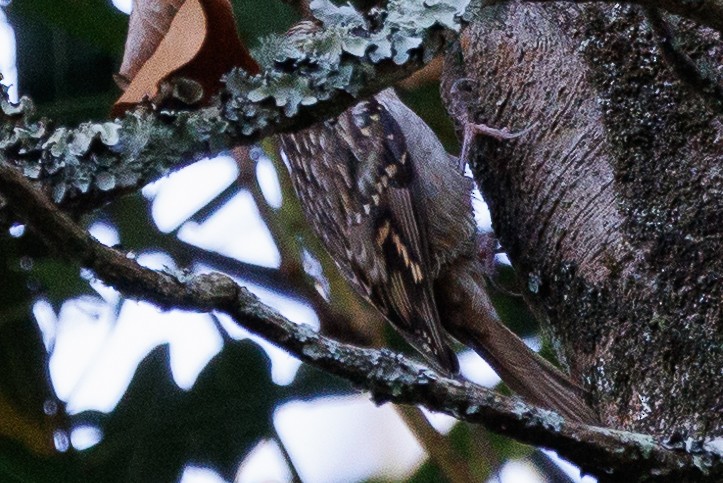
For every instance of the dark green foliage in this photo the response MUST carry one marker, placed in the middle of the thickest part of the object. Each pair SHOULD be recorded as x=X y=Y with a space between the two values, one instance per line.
x=19 y=465
x=95 y=22
x=23 y=361
x=25 y=391
x=66 y=55
x=505 y=295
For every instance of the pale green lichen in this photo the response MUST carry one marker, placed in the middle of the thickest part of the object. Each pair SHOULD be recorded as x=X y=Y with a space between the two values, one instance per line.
x=11 y=109
x=472 y=409
x=644 y=443
x=327 y=60
x=538 y=417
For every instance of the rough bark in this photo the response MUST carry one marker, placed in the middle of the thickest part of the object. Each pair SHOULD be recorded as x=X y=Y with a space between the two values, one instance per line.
x=610 y=206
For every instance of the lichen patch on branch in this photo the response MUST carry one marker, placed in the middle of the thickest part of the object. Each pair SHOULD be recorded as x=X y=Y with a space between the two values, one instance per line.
x=350 y=56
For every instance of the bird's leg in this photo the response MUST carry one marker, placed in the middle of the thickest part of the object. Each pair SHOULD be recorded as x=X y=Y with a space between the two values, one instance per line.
x=486 y=251
x=472 y=130
x=499 y=134
x=462 y=97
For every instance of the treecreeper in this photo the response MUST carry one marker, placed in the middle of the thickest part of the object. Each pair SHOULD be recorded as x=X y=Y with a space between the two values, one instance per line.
x=394 y=212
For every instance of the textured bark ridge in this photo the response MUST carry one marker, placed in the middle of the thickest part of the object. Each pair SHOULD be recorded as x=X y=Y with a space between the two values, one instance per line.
x=611 y=207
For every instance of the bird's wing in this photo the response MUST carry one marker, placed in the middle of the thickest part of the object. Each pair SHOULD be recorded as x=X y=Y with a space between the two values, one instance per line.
x=387 y=232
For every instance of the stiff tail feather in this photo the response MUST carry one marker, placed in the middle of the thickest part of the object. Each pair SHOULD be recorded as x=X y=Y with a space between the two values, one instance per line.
x=468 y=315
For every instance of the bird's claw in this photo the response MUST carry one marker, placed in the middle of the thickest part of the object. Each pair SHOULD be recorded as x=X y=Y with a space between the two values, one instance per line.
x=471 y=130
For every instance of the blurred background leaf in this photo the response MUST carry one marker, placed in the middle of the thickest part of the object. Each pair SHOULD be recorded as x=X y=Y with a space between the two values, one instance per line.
x=30 y=414
x=96 y=22
x=67 y=70
x=158 y=428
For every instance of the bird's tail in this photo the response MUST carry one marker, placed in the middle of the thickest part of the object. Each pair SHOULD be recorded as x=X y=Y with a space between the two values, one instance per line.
x=469 y=316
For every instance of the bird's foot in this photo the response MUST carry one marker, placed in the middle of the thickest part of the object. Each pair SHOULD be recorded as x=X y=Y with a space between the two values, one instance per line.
x=499 y=134
x=471 y=130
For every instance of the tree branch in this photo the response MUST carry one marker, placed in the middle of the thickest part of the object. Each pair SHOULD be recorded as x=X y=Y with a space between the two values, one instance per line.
x=304 y=82
x=388 y=376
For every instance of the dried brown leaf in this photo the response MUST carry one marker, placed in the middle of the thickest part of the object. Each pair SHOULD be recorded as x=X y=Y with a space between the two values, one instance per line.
x=149 y=22
x=200 y=44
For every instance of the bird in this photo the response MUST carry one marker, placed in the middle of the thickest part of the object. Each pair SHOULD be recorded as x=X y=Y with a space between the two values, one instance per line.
x=394 y=211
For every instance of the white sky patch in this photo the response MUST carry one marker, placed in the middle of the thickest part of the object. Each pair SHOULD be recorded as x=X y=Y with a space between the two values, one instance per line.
x=269 y=181
x=150 y=190
x=481 y=211
x=16 y=230
x=156 y=261
x=107 y=361
x=109 y=294
x=7 y=56
x=571 y=470
x=183 y=193
x=235 y=230
x=198 y=474
x=534 y=343
x=439 y=421
x=193 y=344
x=476 y=369
x=125 y=6
x=104 y=233
x=347 y=439
x=265 y=463
x=518 y=472
x=107 y=235
x=83 y=437
x=83 y=326
x=284 y=366
x=503 y=259
x=47 y=322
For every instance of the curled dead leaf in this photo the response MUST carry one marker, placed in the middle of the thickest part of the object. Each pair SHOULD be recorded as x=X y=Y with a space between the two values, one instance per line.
x=148 y=24
x=199 y=46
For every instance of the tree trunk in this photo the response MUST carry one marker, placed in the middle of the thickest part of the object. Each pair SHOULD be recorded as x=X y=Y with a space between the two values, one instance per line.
x=611 y=206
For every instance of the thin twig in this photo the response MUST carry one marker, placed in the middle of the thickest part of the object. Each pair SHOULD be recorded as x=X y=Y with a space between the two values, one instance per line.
x=438 y=447
x=295 y=476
